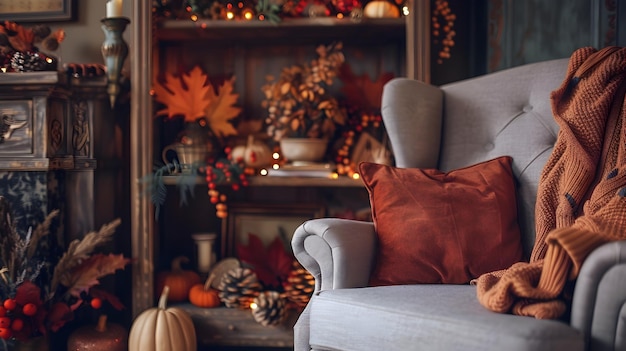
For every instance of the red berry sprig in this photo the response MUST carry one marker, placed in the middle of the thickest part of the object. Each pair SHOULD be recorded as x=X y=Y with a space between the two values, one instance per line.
x=228 y=171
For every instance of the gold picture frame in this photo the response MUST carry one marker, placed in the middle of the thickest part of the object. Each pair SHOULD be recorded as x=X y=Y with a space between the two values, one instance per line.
x=36 y=10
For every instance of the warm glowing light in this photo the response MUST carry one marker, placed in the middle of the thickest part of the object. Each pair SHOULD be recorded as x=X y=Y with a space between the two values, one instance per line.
x=276 y=155
x=247 y=14
x=49 y=60
x=334 y=175
x=356 y=176
x=405 y=10
x=3 y=69
x=263 y=172
x=275 y=166
x=340 y=15
x=240 y=5
x=194 y=17
x=261 y=18
x=230 y=15
x=253 y=305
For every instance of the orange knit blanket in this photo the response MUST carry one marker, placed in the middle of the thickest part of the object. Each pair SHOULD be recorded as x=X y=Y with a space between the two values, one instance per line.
x=581 y=201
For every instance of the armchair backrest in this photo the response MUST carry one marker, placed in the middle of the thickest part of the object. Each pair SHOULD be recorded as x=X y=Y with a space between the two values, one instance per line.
x=470 y=121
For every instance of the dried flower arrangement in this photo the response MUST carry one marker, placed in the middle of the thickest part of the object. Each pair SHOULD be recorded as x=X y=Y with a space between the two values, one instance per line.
x=33 y=305
x=18 y=52
x=299 y=103
x=192 y=97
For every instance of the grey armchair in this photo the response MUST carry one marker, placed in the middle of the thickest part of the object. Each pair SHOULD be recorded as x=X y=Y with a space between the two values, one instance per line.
x=449 y=127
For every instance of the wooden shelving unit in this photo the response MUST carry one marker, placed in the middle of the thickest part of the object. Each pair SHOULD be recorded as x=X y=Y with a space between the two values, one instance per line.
x=249 y=50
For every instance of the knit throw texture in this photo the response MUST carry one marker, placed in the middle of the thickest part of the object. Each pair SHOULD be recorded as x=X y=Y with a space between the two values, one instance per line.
x=581 y=200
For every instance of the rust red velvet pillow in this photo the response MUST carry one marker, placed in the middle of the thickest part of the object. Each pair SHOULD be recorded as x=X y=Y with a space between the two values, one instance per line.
x=436 y=227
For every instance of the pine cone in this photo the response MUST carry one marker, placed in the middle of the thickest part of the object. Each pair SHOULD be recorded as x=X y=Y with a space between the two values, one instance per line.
x=269 y=309
x=299 y=285
x=27 y=62
x=239 y=287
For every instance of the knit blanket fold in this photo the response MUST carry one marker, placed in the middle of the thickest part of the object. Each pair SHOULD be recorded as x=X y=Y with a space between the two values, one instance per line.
x=581 y=199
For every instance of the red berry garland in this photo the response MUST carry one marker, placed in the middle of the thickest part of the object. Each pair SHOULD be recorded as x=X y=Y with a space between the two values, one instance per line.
x=443 y=29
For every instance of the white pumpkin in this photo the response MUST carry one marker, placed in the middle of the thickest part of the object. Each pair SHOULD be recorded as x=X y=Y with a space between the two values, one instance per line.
x=162 y=329
x=255 y=153
x=381 y=9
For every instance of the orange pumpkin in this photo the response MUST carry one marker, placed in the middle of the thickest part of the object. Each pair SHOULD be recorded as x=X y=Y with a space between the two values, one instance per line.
x=204 y=295
x=178 y=279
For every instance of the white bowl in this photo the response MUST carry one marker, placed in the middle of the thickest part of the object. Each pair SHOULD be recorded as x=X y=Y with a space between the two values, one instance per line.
x=303 y=149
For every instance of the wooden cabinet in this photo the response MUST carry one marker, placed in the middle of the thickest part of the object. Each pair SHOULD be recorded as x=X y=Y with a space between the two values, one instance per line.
x=57 y=150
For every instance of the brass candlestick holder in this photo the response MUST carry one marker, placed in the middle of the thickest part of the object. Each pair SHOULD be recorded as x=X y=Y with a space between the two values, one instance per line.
x=114 y=52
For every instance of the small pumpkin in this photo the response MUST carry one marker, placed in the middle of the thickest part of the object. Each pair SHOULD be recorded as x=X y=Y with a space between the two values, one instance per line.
x=162 y=329
x=254 y=154
x=381 y=9
x=203 y=295
x=178 y=279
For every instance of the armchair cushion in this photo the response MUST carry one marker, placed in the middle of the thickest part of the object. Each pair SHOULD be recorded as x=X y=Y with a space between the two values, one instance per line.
x=436 y=227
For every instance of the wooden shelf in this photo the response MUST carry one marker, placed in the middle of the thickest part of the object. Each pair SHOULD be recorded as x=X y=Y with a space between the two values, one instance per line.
x=273 y=181
x=223 y=326
x=289 y=30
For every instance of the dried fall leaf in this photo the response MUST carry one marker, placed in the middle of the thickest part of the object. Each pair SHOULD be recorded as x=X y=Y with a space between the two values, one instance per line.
x=221 y=109
x=361 y=90
x=21 y=39
x=271 y=265
x=90 y=270
x=188 y=95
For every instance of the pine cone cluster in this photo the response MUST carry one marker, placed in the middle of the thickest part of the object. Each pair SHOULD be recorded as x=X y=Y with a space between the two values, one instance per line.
x=299 y=285
x=239 y=287
x=269 y=308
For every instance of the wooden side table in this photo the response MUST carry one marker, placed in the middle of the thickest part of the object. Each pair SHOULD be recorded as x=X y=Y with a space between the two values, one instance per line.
x=231 y=328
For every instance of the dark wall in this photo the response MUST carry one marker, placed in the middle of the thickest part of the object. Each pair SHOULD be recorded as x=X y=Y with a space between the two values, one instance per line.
x=492 y=35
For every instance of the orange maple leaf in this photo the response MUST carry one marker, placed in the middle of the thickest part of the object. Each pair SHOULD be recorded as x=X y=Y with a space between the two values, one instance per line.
x=188 y=95
x=221 y=109
x=90 y=270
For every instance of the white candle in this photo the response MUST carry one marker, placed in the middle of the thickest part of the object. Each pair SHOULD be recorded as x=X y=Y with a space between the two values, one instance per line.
x=114 y=8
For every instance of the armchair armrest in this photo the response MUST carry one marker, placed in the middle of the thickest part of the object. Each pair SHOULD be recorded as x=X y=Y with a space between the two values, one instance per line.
x=599 y=302
x=339 y=253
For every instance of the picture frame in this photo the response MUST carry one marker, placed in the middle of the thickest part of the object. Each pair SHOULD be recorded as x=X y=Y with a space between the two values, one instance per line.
x=265 y=221
x=37 y=10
